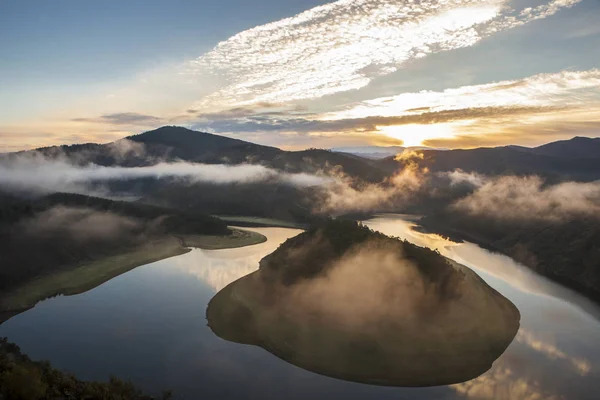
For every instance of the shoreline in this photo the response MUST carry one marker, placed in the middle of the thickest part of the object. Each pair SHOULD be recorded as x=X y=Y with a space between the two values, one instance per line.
x=460 y=236
x=77 y=279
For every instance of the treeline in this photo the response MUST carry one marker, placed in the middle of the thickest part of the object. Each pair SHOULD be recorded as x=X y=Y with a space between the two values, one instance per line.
x=14 y=208
x=24 y=379
x=566 y=251
x=314 y=252
x=60 y=231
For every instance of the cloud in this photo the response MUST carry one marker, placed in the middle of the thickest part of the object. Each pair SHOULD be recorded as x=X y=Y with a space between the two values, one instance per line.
x=365 y=126
x=458 y=177
x=530 y=109
x=581 y=365
x=528 y=198
x=127 y=118
x=344 y=45
x=34 y=172
x=562 y=89
x=346 y=195
x=562 y=125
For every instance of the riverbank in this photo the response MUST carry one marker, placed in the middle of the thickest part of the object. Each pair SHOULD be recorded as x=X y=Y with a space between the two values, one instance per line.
x=76 y=279
x=260 y=222
x=517 y=249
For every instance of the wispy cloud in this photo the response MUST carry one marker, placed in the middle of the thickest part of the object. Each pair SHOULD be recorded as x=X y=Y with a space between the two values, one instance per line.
x=538 y=108
x=127 y=118
x=343 y=45
x=565 y=88
x=534 y=109
x=366 y=125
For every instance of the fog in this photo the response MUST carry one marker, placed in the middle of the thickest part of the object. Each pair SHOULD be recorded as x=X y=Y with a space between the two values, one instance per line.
x=345 y=195
x=46 y=175
x=506 y=197
x=528 y=198
x=78 y=224
x=393 y=288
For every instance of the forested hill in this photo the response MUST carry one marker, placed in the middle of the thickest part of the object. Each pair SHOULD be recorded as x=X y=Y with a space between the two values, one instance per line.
x=566 y=251
x=172 y=143
x=62 y=231
x=577 y=159
x=314 y=252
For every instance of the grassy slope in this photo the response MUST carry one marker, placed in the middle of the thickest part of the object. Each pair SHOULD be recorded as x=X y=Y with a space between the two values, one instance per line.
x=82 y=278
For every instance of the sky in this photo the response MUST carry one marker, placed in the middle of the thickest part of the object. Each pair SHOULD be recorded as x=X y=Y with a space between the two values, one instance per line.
x=301 y=73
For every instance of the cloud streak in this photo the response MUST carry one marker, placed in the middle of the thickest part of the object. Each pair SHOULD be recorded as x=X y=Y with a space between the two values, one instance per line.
x=562 y=89
x=39 y=174
x=128 y=118
x=492 y=113
x=346 y=44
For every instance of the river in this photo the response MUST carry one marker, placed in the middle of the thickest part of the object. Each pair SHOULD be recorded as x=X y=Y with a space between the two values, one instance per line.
x=149 y=326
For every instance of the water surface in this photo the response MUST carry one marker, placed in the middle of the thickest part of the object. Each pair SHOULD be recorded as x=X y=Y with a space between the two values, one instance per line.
x=149 y=326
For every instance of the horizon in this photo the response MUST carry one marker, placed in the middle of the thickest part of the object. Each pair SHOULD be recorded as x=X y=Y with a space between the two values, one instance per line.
x=340 y=149
x=303 y=74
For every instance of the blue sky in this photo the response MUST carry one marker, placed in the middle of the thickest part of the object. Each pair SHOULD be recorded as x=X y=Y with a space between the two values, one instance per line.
x=452 y=73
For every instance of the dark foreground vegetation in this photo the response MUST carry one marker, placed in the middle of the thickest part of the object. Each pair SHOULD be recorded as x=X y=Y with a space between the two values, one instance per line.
x=24 y=379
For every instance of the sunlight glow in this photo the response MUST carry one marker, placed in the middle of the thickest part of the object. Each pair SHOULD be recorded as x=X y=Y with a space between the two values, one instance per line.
x=416 y=134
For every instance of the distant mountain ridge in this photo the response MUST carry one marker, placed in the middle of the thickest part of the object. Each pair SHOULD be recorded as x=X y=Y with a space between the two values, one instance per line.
x=583 y=147
x=379 y=152
x=575 y=159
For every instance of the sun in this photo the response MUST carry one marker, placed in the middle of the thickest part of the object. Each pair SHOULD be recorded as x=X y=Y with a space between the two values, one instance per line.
x=416 y=134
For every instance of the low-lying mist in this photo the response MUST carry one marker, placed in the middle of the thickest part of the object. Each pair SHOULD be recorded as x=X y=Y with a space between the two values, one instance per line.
x=330 y=192
x=371 y=283
x=46 y=175
x=78 y=224
x=527 y=198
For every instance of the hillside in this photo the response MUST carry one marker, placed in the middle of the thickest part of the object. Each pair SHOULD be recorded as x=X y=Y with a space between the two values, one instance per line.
x=171 y=143
x=578 y=147
x=350 y=303
x=60 y=231
x=545 y=161
x=565 y=251
x=67 y=244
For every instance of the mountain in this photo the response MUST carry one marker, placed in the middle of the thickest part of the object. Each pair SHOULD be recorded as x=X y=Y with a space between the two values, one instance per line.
x=575 y=159
x=546 y=161
x=175 y=142
x=379 y=152
x=184 y=144
x=578 y=147
x=172 y=143
x=372 y=152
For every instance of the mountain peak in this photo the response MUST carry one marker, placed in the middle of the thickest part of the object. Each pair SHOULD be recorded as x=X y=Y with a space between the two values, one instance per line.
x=579 y=146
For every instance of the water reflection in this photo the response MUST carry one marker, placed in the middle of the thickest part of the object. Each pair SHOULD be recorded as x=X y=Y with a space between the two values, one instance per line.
x=556 y=354
x=218 y=268
x=149 y=326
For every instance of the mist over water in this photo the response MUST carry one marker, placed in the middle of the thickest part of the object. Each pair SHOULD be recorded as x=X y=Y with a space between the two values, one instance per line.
x=154 y=316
